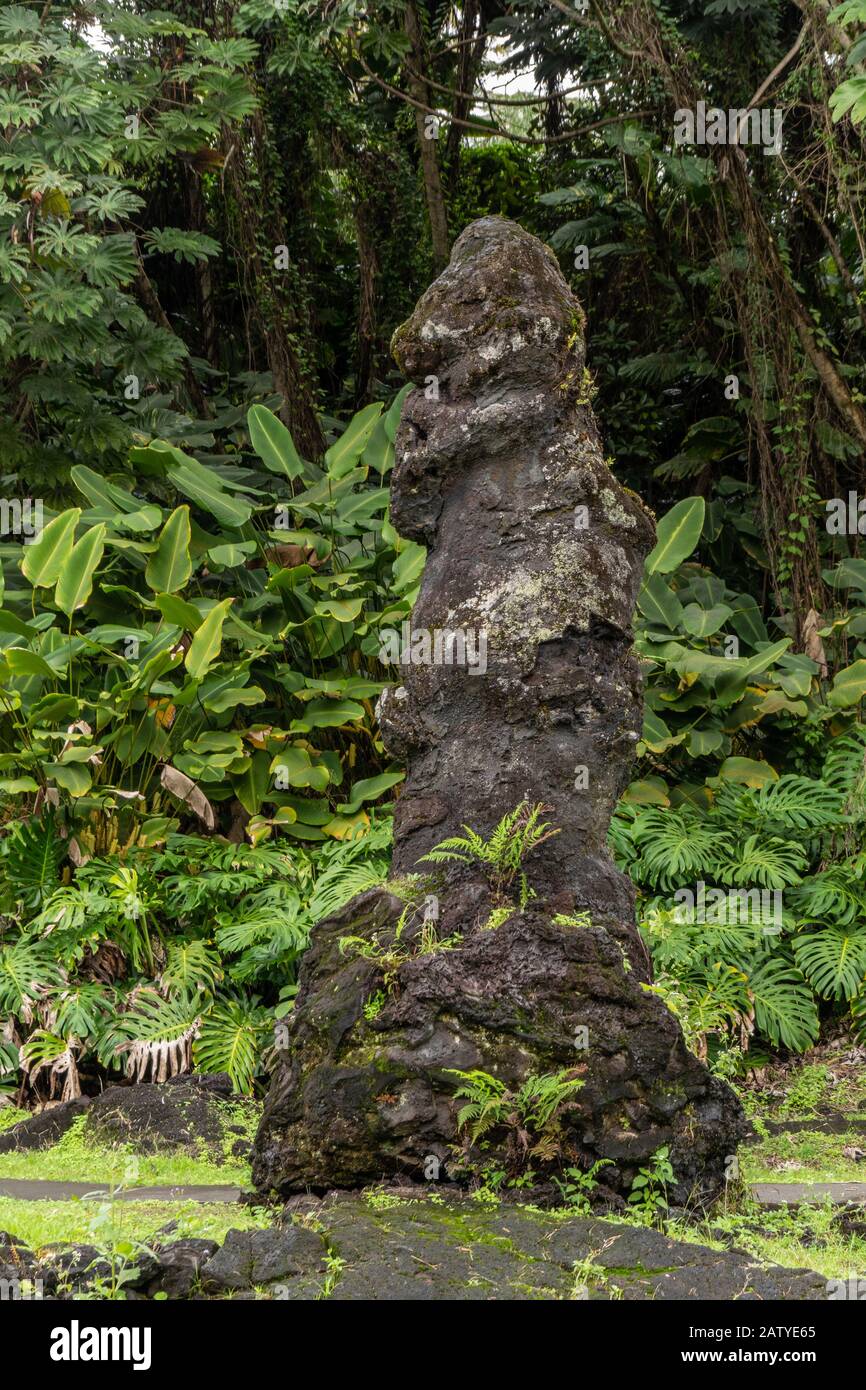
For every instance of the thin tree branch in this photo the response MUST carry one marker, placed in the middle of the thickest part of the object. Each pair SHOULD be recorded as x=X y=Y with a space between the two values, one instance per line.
x=497 y=130
x=771 y=77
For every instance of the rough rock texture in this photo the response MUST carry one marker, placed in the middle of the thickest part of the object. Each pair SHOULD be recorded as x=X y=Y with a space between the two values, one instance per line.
x=180 y=1265
x=43 y=1130
x=188 y=1113
x=456 y=1250
x=250 y=1258
x=492 y=476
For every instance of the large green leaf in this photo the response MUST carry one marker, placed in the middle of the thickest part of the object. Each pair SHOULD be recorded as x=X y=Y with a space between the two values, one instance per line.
x=76 y=579
x=748 y=771
x=678 y=533
x=170 y=566
x=658 y=602
x=293 y=767
x=205 y=646
x=251 y=787
x=23 y=662
x=704 y=622
x=73 y=777
x=849 y=686
x=101 y=493
x=177 y=611
x=344 y=454
x=763 y=660
x=227 y=694
x=9 y=622
x=45 y=559
x=328 y=714
x=409 y=566
x=273 y=443
x=834 y=960
x=369 y=790
x=785 y=1008
x=203 y=487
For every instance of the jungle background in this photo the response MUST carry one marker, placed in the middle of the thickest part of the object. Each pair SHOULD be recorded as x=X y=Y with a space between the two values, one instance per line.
x=213 y=215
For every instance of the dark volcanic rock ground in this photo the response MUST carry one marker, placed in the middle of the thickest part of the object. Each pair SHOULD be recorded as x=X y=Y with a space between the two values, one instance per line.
x=382 y=1246
x=460 y=1250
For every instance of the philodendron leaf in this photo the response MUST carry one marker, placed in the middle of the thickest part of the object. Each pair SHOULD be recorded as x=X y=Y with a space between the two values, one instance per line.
x=76 y=578
x=273 y=443
x=44 y=560
x=205 y=646
x=170 y=566
x=678 y=533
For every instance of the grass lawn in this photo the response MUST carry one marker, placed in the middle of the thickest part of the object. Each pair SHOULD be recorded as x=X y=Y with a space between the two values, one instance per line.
x=81 y=1222
x=75 y=1158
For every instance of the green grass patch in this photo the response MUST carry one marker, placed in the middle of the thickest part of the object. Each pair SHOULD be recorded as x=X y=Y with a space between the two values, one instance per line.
x=75 y=1158
x=804 y=1156
x=797 y=1238
x=807 y=1093
x=39 y=1224
x=10 y=1115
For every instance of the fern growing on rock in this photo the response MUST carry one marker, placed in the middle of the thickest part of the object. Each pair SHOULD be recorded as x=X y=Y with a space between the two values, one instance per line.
x=502 y=855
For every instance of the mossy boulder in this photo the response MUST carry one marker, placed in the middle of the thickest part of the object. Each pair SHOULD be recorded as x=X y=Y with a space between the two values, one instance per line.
x=366 y=1093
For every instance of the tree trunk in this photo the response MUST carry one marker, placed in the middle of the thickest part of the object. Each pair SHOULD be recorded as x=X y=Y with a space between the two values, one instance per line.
x=433 y=191
x=150 y=300
x=258 y=232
